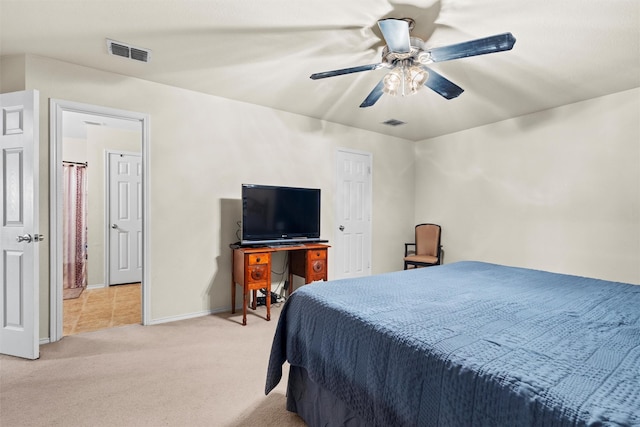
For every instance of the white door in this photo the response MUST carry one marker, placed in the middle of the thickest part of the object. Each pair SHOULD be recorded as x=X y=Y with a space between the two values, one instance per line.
x=19 y=139
x=353 y=214
x=125 y=218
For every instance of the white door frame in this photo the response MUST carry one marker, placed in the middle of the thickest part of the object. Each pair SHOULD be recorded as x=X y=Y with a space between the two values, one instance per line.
x=338 y=206
x=107 y=211
x=56 y=108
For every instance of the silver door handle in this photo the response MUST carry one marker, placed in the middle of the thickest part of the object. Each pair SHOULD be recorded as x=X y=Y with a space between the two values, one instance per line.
x=26 y=238
x=114 y=226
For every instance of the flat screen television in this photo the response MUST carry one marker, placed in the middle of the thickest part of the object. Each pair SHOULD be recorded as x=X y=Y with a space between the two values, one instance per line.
x=277 y=215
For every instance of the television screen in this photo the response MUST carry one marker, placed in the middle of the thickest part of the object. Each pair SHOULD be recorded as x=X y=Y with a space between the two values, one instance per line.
x=272 y=214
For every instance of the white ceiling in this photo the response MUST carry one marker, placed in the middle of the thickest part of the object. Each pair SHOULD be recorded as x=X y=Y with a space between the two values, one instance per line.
x=74 y=124
x=263 y=51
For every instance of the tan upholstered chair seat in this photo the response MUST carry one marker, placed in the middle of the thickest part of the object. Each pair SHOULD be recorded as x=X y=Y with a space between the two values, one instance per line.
x=422 y=258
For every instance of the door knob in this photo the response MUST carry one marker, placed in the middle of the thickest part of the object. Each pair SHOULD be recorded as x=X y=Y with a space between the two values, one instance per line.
x=341 y=228
x=114 y=226
x=26 y=238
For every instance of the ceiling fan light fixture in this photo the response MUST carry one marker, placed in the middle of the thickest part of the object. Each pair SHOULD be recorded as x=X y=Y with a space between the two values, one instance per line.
x=404 y=80
x=407 y=58
x=393 y=82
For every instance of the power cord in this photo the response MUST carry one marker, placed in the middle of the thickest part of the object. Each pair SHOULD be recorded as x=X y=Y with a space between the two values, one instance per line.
x=283 y=284
x=277 y=296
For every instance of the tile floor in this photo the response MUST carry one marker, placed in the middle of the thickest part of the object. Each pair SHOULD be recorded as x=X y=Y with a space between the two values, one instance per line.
x=102 y=308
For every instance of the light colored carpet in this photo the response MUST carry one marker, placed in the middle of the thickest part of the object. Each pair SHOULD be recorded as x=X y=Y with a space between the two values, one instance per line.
x=208 y=371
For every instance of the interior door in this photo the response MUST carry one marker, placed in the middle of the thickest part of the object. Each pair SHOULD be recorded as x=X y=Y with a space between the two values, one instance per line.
x=19 y=139
x=352 y=244
x=125 y=218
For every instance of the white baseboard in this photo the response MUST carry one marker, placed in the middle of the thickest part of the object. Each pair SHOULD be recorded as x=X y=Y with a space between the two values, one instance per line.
x=188 y=316
x=98 y=286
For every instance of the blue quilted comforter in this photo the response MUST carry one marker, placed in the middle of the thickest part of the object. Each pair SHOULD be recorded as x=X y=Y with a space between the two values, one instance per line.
x=467 y=344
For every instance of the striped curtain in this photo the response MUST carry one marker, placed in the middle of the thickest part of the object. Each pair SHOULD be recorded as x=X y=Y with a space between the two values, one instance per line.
x=74 y=226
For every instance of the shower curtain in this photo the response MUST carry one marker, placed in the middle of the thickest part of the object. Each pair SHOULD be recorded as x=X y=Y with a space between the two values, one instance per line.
x=74 y=228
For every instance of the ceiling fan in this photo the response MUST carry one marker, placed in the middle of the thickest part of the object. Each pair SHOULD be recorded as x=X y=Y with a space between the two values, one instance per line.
x=407 y=58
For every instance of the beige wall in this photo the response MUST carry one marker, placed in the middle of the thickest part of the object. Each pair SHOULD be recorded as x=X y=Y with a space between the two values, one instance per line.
x=202 y=149
x=557 y=190
x=12 y=73
x=74 y=150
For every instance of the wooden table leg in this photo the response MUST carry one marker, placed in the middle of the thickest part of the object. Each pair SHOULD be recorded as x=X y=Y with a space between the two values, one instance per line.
x=290 y=287
x=245 y=297
x=268 y=300
x=233 y=282
x=233 y=297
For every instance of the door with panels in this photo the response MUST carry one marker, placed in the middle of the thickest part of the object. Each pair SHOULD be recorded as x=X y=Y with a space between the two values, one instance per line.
x=353 y=214
x=125 y=218
x=19 y=237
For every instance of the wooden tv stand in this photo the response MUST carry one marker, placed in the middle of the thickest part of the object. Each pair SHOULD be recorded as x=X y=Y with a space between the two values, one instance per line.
x=252 y=270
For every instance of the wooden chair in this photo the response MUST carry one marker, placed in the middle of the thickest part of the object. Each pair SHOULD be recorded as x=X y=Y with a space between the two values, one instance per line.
x=427 y=250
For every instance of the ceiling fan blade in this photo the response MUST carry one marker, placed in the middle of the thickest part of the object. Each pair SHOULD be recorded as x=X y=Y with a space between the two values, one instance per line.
x=374 y=95
x=342 y=71
x=396 y=34
x=491 y=44
x=441 y=85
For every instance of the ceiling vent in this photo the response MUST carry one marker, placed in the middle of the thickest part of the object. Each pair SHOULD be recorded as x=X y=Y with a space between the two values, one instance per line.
x=128 y=51
x=394 y=122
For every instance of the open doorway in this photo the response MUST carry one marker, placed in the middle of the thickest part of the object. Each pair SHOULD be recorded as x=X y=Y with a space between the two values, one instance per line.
x=84 y=141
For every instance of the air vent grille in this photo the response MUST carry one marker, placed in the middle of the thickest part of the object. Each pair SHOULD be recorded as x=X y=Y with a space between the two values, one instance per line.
x=119 y=50
x=128 y=51
x=393 y=122
x=139 y=54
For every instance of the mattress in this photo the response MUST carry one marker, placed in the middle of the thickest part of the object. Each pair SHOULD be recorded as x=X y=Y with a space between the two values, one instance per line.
x=468 y=343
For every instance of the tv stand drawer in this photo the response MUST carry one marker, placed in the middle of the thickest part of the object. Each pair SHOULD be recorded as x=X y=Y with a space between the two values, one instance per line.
x=317 y=254
x=262 y=258
x=257 y=273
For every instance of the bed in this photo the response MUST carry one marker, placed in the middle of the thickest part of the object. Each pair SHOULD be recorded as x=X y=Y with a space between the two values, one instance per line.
x=461 y=344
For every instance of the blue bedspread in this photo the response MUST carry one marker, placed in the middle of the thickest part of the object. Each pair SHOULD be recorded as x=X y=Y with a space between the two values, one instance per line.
x=469 y=343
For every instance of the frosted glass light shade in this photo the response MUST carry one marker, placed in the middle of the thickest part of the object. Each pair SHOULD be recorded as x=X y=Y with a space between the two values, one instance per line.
x=404 y=80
